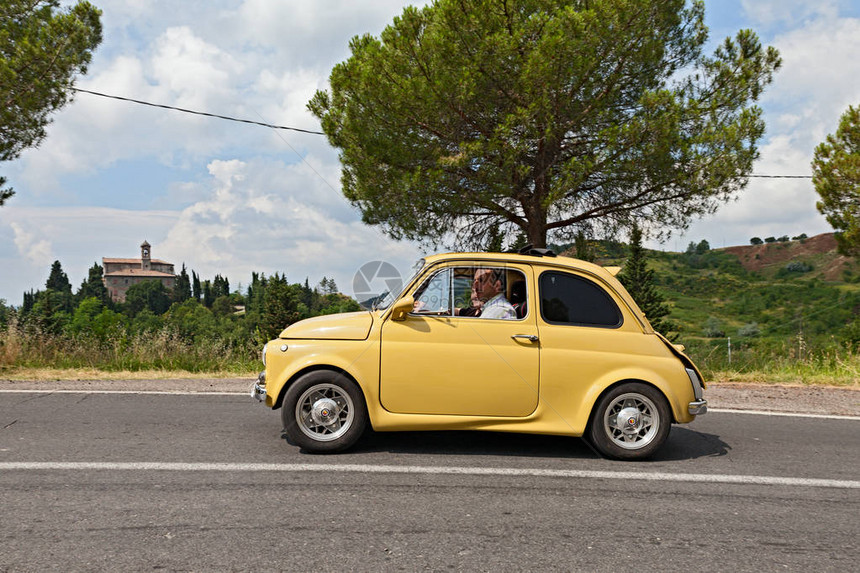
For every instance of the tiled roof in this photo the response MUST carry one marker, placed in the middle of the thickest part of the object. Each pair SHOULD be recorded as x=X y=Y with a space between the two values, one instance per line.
x=134 y=261
x=139 y=273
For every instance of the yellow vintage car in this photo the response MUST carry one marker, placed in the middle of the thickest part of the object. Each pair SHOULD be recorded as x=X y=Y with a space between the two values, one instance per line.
x=531 y=343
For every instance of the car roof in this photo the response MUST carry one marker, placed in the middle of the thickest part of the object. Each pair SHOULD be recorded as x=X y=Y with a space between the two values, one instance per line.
x=550 y=261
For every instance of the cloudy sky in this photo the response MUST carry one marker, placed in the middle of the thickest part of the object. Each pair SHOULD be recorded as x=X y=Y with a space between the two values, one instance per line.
x=230 y=198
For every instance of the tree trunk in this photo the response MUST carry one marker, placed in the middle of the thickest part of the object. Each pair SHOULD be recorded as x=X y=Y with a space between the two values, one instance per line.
x=536 y=231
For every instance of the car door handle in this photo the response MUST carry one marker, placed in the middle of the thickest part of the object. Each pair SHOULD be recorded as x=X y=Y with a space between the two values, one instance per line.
x=529 y=337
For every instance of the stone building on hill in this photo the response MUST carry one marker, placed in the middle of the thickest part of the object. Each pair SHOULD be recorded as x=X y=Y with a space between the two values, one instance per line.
x=119 y=274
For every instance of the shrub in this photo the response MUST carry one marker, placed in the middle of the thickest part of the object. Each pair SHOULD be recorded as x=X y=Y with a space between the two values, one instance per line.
x=850 y=335
x=794 y=267
x=714 y=328
x=756 y=241
x=750 y=330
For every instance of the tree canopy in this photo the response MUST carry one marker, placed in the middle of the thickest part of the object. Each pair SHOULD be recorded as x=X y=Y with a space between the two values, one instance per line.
x=42 y=49
x=836 y=176
x=544 y=116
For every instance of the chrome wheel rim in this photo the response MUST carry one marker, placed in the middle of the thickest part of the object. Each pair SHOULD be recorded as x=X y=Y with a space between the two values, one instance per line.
x=324 y=412
x=631 y=421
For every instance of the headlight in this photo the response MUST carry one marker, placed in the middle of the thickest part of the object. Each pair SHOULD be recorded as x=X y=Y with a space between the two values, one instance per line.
x=264 y=353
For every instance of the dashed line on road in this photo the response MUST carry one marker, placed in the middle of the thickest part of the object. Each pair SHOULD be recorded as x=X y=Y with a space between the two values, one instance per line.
x=431 y=470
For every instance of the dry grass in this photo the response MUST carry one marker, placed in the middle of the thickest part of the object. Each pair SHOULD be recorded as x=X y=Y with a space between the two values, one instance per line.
x=791 y=378
x=50 y=374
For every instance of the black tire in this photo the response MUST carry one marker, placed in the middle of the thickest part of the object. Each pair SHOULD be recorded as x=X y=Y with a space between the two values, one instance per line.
x=324 y=412
x=630 y=422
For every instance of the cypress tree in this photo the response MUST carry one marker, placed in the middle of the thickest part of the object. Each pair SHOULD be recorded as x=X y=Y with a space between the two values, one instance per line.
x=182 y=289
x=638 y=279
x=584 y=252
x=197 y=292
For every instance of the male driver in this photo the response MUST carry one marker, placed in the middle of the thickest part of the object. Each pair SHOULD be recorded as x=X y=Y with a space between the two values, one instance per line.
x=489 y=288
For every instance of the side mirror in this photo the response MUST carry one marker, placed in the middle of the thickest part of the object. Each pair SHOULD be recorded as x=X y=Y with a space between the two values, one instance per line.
x=402 y=307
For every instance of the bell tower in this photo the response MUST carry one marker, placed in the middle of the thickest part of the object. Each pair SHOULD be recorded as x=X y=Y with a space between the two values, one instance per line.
x=145 y=259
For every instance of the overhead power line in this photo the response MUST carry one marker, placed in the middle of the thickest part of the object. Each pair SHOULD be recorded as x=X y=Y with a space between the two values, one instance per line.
x=272 y=126
x=782 y=176
x=183 y=110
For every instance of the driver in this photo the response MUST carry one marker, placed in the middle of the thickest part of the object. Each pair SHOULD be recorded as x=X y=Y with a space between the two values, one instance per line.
x=490 y=290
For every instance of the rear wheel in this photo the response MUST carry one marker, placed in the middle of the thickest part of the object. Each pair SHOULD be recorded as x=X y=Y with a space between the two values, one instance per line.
x=630 y=422
x=324 y=412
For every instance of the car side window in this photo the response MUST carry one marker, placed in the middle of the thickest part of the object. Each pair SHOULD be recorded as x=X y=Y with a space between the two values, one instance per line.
x=434 y=295
x=490 y=292
x=473 y=291
x=569 y=299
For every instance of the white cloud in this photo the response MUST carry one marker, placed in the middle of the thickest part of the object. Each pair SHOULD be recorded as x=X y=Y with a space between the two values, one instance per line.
x=818 y=80
x=197 y=74
x=34 y=250
x=313 y=34
x=267 y=217
x=816 y=84
x=788 y=12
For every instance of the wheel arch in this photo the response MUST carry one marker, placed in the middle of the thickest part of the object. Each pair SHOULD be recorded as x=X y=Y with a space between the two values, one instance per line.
x=608 y=389
x=314 y=368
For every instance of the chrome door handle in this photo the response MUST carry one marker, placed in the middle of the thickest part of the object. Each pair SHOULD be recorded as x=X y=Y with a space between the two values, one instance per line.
x=529 y=337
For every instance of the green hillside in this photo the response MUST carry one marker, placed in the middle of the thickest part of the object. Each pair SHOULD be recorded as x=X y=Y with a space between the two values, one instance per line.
x=788 y=305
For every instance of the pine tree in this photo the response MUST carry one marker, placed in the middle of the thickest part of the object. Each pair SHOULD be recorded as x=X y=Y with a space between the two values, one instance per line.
x=520 y=242
x=638 y=279
x=495 y=239
x=43 y=48
x=93 y=286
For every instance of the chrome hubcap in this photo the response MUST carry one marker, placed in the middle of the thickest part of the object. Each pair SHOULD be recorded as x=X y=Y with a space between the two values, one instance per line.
x=324 y=412
x=631 y=421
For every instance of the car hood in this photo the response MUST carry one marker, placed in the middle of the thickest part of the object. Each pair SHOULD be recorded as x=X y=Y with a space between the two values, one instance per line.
x=345 y=326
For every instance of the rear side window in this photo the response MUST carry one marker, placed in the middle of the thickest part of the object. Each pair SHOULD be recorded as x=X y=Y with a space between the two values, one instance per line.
x=569 y=299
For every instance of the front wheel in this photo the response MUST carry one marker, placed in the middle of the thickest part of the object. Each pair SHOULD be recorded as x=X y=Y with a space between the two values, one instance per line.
x=630 y=422
x=324 y=412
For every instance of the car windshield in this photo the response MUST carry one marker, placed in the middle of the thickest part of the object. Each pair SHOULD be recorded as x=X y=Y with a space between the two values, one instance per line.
x=386 y=299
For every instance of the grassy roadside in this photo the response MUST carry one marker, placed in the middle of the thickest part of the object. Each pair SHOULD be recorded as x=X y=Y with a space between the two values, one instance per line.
x=784 y=378
x=850 y=378
x=81 y=374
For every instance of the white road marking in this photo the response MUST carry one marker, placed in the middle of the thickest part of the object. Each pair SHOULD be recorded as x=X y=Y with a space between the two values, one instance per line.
x=247 y=393
x=145 y=392
x=789 y=414
x=431 y=470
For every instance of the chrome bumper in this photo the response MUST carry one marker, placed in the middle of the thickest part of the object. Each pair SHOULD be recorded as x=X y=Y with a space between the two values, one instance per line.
x=699 y=405
x=695 y=408
x=258 y=389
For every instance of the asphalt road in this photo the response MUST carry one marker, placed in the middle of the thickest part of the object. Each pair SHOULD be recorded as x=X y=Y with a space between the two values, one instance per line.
x=136 y=482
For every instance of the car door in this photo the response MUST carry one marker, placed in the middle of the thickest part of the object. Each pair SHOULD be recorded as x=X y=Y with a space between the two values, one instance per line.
x=585 y=333
x=438 y=361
